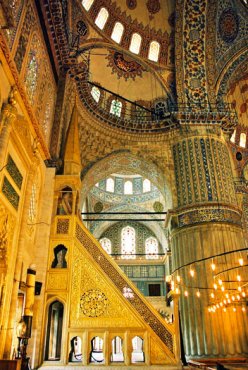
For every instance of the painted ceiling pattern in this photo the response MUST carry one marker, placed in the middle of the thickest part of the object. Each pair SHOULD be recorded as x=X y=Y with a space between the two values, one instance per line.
x=231 y=32
x=123 y=66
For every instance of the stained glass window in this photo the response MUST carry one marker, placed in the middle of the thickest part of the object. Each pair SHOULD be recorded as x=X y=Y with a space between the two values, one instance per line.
x=95 y=92
x=242 y=141
x=146 y=186
x=233 y=136
x=110 y=185
x=115 y=108
x=87 y=4
x=49 y=111
x=151 y=246
x=101 y=18
x=154 y=51
x=106 y=244
x=117 y=32
x=140 y=113
x=135 y=43
x=128 y=242
x=31 y=77
x=128 y=187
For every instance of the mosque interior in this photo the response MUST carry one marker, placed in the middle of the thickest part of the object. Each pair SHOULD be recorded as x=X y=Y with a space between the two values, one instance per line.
x=123 y=184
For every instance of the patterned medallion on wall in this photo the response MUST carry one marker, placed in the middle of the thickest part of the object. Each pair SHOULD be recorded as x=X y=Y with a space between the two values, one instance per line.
x=153 y=6
x=124 y=66
x=93 y=303
x=229 y=25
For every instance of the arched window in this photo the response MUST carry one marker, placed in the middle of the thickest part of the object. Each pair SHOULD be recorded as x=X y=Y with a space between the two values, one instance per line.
x=87 y=4
x=106 y=244
x=117 y=32
x=95 y=92
x=128 y=187
x=75 y=354
x=54 y=331
x=117 y=352
x=31 y=77
x=146 y=186
x=128 y=242
x=154 y=51
x=233 y=137
x=101 y=18
x=135 y=43
x=137 y=353
x=160 y=110
x=49 y=112
x=151 y=246
x=115 y=108
x=96 y=354
x=110 y=185
x=242 y=141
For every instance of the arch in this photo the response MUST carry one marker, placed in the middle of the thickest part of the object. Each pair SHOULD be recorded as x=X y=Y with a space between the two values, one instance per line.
x=117 y=32
x=242 y=140
x=146 y=186
x=128 y=243
x=95 y=93
x=155 y=227
x=151 y=248
x=233 y=137
x=96 y=354
x=117 y=352
x=87 y=4
x=128 y=187
x=154 y=49
x=54 y=331
x=31 y=75
x=110 y=185
x=65 y=201
x=106 y=244
x=59 y=257
x=144 y=63
x=137 y=353
x=102 y=18
x=75 y=354
x=226 y=74
x=135 y=43
x=116 y=162
x=116 y=107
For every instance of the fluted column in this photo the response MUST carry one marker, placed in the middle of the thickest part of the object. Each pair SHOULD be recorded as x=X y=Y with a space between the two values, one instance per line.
x=206 y=229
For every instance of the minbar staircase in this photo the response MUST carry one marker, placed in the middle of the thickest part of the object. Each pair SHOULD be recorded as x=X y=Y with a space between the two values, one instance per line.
x=89 y=266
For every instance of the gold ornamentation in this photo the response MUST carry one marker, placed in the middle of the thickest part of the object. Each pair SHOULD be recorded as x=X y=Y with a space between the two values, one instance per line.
x=93 y=303
x=63 y=226
x=151 y=319
x=57 y=281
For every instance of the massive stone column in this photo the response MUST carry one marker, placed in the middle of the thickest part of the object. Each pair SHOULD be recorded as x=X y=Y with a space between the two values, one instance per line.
x=206 y=236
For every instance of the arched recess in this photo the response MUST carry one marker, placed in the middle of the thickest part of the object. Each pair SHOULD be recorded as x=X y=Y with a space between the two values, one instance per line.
x=116 y=163
x=155 y=227
x=67 y=199
x=88 y=47
x=224 y=78
x=54 y=330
